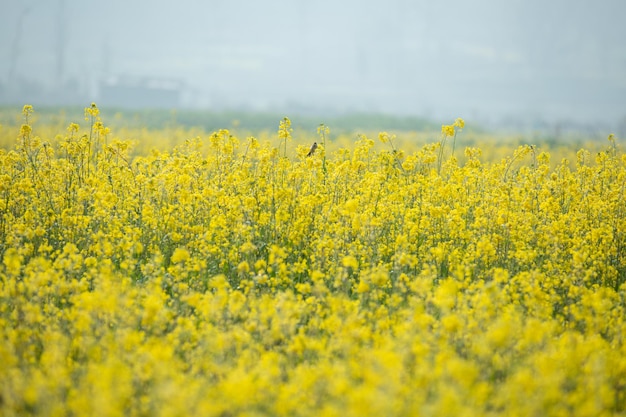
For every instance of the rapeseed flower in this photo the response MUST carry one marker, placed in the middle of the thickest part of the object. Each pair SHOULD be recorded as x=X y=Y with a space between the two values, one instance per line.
x=447 y=130
x=224 y=279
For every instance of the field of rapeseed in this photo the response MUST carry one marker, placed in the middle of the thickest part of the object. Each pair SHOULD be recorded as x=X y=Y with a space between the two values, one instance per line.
x=230 y=276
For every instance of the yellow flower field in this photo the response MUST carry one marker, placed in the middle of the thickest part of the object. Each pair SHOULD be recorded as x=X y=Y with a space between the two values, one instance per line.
x=238 y=277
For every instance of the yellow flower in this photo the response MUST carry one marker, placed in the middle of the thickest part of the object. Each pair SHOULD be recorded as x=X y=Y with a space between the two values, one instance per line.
x=379 y=276
x=73 y=127
x=12 y=261
x=447 y=130
x=451 y=323
x=284 y=128
x=350 y=261
x=180 y=255
x=243 y=267
x=363 y=287
x=25 y=130
x=91 y=111
x=351 y=206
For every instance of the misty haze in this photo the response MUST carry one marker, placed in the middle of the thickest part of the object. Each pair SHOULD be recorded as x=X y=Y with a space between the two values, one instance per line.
x=486 y=60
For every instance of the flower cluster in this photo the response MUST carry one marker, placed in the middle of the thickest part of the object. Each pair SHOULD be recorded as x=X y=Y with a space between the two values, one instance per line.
x=224 y=277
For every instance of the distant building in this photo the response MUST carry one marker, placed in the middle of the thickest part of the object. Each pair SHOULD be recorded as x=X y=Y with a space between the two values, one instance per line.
x=140 y=92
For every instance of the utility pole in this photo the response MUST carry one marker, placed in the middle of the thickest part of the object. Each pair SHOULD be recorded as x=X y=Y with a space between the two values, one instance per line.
x=61 y=45
x=15 y=47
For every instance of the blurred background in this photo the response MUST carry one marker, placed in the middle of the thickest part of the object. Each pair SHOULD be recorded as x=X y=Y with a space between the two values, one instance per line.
x=515 y=63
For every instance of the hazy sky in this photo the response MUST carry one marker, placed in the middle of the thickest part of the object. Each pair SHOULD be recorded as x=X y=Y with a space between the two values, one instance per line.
x=487 y=59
